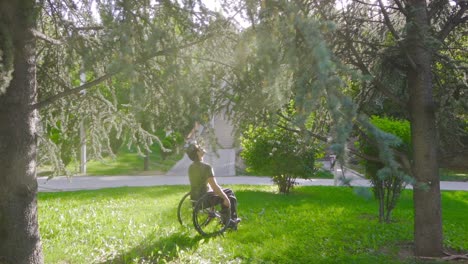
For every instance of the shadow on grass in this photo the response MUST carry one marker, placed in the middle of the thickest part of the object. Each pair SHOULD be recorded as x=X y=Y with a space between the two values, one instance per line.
x=157 y=250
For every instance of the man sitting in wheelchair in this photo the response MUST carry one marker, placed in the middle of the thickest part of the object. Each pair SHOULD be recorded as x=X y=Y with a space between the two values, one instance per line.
x=202 y=181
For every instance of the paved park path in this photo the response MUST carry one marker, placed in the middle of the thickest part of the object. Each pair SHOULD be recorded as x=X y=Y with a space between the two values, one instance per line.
x=99 y=182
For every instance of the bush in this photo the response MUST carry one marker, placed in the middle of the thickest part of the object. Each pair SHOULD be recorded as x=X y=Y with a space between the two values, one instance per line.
x=279 y=153
x=173 y=141
x=387 y=183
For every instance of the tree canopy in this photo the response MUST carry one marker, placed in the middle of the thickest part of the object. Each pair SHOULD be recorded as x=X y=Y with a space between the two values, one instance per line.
x=148 y=66
x=131 y=69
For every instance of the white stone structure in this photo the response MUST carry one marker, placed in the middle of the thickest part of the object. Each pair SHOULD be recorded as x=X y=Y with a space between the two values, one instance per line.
x=223 y=159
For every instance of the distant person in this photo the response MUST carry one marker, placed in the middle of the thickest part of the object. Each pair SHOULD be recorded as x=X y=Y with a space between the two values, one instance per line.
x=332 y=162
x=202 y=181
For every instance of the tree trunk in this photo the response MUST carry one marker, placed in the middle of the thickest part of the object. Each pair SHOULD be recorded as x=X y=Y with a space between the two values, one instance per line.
x=380 y=192
x=146 y=166
x=427 y=205
x=19 y=232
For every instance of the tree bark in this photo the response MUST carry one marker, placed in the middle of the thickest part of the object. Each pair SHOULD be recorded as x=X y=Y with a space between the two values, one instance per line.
x=19 y=231
x=427 y=202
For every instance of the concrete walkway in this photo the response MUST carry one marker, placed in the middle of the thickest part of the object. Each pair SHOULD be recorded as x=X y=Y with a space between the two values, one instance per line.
x=99 y=182
x=178 y=176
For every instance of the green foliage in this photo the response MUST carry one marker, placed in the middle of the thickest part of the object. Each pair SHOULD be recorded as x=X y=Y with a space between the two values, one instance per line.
x=313 y=225
x=140 y=68
x=172 y=140
x=397 y=127
x=279 y=153
x=172 y=143
x=285 y=55
x=372 y=49
x=387 y=178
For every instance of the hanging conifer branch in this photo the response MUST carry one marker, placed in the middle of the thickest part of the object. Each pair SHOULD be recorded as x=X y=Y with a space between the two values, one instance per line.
x=65 y=93
x=46 y=38
x=105 y=77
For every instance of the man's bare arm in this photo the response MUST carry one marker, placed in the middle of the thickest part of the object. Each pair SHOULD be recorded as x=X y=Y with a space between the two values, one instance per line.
x=217 y=190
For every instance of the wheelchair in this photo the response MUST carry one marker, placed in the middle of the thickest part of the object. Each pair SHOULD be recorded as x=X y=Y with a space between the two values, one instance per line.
x=208 y=219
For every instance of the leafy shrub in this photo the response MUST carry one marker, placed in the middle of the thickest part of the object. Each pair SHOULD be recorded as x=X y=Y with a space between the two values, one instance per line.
x=172 y=141
x=279 y=153
x=387 y=182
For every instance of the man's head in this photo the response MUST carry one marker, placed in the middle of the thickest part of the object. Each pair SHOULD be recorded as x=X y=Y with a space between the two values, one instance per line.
x=195 y=151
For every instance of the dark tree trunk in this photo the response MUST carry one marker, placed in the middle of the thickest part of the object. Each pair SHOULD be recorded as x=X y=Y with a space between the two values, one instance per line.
x=380 y=194
x=427 y=206
x=19 y=232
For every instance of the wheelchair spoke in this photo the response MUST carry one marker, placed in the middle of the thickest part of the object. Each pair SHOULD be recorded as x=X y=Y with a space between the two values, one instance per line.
x=209 y=221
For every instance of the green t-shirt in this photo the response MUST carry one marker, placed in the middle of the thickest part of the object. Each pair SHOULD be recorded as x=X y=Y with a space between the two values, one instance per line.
x=199 y=173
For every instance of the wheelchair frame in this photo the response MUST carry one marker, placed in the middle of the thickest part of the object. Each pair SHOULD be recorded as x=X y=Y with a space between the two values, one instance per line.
x=208 y=219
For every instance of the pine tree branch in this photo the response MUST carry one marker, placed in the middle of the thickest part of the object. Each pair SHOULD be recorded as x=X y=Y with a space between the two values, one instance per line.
x=36 y=33
x=388 y=22
x=435 y=6
x=88 y=28
x=75 y=90
x=106 y=76
x=390 y=27
x=401 y=8
x=377 y=84
x=283 y=116
x=446 y=60
x=404 y=160
x=319 y=137
x=361 y=66
x=299 y=131
x=46 y=38
x=363 y=155
x=369 y=4
x=206 y=59
x=453 y=21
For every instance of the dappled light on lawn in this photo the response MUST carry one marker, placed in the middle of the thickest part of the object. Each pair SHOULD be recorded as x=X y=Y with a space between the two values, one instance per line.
x=310 y=225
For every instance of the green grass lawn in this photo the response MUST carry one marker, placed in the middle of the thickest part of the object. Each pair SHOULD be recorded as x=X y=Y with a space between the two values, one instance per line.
x=311 y=225
x=130 y=163
x=126 y=162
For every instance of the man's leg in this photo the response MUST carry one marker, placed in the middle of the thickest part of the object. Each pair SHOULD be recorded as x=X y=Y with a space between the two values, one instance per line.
x=215 y=200
x=233 y=200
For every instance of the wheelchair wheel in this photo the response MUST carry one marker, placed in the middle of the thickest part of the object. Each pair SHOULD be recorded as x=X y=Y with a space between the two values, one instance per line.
x=210 y=220
x=185 y=210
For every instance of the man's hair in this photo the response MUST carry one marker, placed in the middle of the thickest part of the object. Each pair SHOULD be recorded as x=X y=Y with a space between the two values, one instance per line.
x=192 y=151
